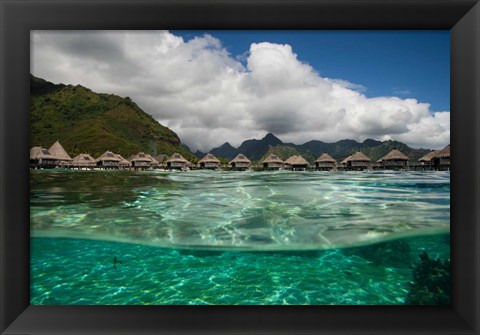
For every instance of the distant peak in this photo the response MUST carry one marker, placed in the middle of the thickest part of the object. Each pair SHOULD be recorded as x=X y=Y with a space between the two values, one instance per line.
x=226 y=144
x=270 y=138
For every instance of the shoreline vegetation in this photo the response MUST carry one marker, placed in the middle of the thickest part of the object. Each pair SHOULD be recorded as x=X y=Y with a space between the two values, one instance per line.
x=57 y=157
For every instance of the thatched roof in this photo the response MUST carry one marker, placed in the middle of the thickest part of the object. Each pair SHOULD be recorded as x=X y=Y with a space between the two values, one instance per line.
x=296 y=160
x=428 y=157
x=209 y=158
x=357 y=157
x=325 y=158
x=40 y=153
x=394 y=155
x=123 y=161
x=59 y=152
x=345 y=160
x=444 y=153
x=108 y=156
x=177 y=158
x=272 y=158
x=83 y=160
x=140 y=157
x=240 y=158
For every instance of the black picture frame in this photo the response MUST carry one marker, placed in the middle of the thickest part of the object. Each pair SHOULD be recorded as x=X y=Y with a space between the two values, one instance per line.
x=461 y=17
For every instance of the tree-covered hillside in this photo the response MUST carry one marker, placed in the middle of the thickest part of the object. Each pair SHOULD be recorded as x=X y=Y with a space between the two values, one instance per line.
x=88 y=122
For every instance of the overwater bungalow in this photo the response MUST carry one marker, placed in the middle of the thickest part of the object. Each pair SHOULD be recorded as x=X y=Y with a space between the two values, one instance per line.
x=325 y=162
x=83 y=161
x=343 y=163
x=357 y=161
x=141 y=161
x=59 y=152
x=124 y=163
x=108 y=160
x=395 y=159
x=296 y=163
x=426 y=161
x=41 y=158
x=209 y=162
x=240 y=162
x=177 y=162
x=441 y=160
x=272 y=162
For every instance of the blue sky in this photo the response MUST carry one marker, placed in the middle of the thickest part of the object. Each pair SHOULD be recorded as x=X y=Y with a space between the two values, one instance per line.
x=403 y=63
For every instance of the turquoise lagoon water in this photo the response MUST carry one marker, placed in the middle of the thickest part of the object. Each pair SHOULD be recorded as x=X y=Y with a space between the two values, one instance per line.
x=209 y=237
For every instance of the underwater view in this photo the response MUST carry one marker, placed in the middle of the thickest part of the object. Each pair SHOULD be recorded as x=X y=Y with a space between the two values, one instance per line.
x=234 y=238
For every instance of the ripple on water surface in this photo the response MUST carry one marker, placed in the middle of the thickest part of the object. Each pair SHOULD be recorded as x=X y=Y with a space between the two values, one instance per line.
x=239 y=210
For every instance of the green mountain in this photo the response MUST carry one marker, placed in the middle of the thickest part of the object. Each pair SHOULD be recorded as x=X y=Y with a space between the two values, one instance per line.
x=88 y=122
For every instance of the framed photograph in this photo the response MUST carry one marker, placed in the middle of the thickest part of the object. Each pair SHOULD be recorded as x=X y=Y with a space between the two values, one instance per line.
x=187 y=218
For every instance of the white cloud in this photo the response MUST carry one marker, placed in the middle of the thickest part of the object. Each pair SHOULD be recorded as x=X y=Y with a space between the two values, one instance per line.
x=209 y=97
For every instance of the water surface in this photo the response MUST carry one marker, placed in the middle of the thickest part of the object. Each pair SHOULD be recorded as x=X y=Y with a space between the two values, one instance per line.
x=208 y=237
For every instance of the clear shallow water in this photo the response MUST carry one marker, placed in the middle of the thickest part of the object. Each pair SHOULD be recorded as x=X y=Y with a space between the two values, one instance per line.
x=81 y=272
x=233 y=238
x=239 y=210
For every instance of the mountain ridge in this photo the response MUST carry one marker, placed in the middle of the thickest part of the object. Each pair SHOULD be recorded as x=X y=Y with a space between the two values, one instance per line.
x=257 y=150
x=88 y=122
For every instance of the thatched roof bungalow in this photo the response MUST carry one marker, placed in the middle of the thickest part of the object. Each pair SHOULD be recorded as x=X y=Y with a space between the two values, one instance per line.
x=325 y=162
x=441 y=159
x=296 y=163
x=209 y=162
x=426 y=161
x=59 y=152
x=428 y=157
x=142 y=161
x=41 y=157
x=177 y=161
x=108 y=160
x=357 y=161
x=394 y=159
x=83 y=161
x=240 y=162
x=272 y=162
x=345 y=160
x=444 y=153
